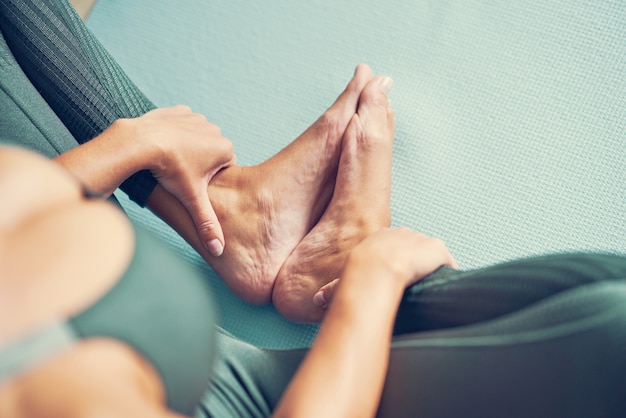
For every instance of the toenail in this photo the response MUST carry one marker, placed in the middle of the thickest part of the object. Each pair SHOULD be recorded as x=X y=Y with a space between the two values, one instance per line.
x=386 y=84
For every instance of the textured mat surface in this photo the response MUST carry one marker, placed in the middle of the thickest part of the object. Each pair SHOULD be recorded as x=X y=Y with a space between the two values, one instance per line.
x=510 y=116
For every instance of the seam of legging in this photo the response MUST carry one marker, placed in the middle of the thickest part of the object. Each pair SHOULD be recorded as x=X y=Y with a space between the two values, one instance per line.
x=421 y=285
x=36 y=123
x=517 y=338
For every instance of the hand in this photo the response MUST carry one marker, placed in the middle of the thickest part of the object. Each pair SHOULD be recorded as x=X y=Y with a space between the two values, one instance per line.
x=399 y=254
x=190 y=151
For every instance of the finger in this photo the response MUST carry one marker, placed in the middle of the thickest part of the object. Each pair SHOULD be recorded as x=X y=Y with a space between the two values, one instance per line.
x=446 y=254
x=323 y=297
x=181 y=108
x=434 y=254
x=207 y=224
x=452 y=262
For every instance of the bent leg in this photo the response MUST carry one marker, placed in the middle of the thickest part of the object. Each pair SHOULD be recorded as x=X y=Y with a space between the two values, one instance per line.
x=542 y=337
x=450 y=298
x=73 y=72
x=562 y=357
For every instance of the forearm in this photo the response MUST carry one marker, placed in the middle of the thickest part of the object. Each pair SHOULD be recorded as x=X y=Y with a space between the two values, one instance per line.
x=103 y=163
x=344 y=372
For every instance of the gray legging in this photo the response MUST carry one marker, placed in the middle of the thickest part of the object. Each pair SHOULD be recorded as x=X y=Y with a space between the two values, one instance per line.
x=544 y=337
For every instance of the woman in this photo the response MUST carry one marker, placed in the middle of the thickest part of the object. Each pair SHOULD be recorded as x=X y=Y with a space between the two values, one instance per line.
x=135 y=340
x=61 y=209
x=511 y=365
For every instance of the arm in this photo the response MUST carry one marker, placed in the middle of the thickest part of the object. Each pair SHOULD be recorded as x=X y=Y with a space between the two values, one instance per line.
x=181 y=149
x=344 y=372
x=47 y=219
x=103 y=163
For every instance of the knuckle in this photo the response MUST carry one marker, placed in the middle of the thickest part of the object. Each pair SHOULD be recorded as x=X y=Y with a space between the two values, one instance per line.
x=405 y=232
x=215 y=129
x=200 y=117
x=420 y=236
x=438 y=243
x=206 y=225
x=228 y=147
x=183 y=107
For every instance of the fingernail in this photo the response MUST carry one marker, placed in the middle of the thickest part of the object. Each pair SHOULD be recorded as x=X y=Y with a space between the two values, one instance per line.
x=386 y=85
x=215 y=247
x=319 y=299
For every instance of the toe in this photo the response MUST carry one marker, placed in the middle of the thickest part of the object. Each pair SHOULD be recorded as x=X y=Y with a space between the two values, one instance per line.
x=374 y=112
x=332 y=124
x=376 y=92
x=349 y=98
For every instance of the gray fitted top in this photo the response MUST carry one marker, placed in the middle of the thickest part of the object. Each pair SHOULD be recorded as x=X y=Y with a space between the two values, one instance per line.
x=161 y=307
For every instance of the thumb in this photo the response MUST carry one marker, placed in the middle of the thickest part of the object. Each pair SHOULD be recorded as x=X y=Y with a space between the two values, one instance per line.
x=323 y=297
x=207 y=224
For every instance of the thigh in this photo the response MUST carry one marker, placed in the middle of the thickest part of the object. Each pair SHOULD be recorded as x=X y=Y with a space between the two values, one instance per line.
x=561 y=337
x=73 y=72
x=451 y=298
x=563 y=354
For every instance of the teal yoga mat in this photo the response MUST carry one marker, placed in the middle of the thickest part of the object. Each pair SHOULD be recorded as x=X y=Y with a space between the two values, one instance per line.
x=510 y=116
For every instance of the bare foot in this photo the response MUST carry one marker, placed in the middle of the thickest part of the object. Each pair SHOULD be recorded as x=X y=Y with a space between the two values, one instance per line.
x=266 y=210
x=359 y=207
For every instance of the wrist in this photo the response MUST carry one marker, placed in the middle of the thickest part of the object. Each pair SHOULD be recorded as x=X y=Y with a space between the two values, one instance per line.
x=373 y=289
x=141 y=152
x=104 y=162
x=380 y=278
